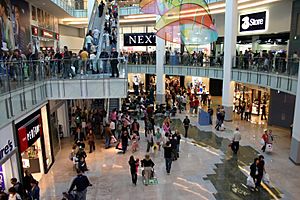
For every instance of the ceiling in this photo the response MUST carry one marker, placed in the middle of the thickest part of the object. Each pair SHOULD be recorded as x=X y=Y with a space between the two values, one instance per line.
x=50 y=7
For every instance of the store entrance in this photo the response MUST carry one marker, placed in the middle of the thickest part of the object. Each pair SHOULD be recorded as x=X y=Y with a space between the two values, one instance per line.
x=32 y=160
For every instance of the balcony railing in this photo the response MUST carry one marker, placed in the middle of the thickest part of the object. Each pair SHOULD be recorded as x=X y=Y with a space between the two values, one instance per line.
x=276 y=65
x=135 y=10
x=19 y=74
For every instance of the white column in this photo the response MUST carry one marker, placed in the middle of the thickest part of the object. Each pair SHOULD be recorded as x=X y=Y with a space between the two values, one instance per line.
x=295 y=144
x=90 y=5
x=160 y=76
x=231 y=15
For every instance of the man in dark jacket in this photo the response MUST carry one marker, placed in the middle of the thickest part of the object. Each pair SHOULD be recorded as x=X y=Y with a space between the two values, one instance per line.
x=186 y=123
x=174 y=144
x=168 y=156
x=114 y=63
x=260 y=169
x=100 y=8
x=81 y=182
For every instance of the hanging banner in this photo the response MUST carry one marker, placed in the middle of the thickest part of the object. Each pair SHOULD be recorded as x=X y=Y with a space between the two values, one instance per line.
x=2 y=184
x=139 y=39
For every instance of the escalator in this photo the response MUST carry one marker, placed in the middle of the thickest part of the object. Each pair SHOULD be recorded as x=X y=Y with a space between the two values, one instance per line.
x=97 y=22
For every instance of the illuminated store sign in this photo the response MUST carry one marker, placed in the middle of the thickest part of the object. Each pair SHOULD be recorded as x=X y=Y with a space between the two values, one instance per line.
x=47 y=34
x=30 y=132
x=139 y=39
x=35 y=30
x=253 y=22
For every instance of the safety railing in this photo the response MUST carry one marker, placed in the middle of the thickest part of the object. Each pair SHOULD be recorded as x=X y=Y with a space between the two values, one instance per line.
x=268 y=64
x=18 y=74
x=173 y=60
x=132 y=10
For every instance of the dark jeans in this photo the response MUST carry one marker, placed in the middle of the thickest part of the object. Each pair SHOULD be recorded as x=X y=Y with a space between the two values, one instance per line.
x=114 y=70
x=148 y=146
x=235 y=147
x=92 y=146
x=168 y=164
x=186 y=131
x=124 y=147
x=134 y=177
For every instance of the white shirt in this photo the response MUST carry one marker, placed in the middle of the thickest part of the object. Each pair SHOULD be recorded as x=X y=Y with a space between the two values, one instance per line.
x=237 y=136
x=112 y=125
x=88 y=39
x=96 y=33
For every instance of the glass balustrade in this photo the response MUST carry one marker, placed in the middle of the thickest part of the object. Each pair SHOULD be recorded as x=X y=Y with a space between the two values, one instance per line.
x=19 y=74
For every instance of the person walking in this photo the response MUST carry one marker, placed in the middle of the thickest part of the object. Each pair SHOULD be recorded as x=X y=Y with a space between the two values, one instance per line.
x=107 y=134
x=235 y=145
x=101 y=8
x=13 y=195
x=265 y=138
x=174 y=145
x=133 y=169
x=150 y=141
x=260 y=169
x=91 y=140
x=186 y=123
x=168 y=156
x=253 y=170
x=124 y=138
x=35 y=190
x=81 y=182
x=114 y=63
x=178 y=138
x=18 y=186
x=148 y=165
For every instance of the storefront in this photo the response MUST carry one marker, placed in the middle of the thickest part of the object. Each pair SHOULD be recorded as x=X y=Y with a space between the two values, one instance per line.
x=201 y=83
x=258 y=97
x=44 y=29
x=8 y=157
x=136 y=81
x=34 y=143
x=59 y=123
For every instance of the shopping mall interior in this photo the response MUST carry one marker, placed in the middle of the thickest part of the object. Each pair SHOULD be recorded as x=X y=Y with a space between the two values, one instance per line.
x=149 y=99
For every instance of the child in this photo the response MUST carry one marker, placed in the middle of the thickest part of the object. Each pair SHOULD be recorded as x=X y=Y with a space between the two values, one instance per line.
x=135 y=144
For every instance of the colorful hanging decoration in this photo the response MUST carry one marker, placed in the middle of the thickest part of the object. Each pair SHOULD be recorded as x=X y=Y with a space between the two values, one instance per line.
x=186 y=22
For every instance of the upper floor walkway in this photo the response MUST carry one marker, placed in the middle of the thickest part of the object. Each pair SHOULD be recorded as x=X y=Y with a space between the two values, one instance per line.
x=25 y=85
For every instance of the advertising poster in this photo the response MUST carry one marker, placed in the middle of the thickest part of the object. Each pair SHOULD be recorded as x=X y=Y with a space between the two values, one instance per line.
x=21 y=24
x=6 y=26
x=2 y=184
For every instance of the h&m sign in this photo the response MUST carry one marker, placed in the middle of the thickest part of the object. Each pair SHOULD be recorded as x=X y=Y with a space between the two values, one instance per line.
x=139 y=39
x=253 y=22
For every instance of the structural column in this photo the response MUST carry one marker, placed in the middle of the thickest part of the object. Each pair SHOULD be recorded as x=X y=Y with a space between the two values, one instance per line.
x=295 y=145
x=160 y=77
x=230 y=35
x=90 y=6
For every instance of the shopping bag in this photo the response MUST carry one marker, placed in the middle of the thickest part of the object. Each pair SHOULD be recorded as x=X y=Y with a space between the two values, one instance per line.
x=119 y=146
x=262 y=142
x=113 y=139
x=250 y=182
x=269 y=148
x=266 y=178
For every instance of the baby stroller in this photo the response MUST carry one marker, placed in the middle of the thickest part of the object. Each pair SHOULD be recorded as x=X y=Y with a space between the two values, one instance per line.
x=152 y=180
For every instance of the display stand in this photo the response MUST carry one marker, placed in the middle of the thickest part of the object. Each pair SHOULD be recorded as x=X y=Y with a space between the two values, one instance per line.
x=203 y=118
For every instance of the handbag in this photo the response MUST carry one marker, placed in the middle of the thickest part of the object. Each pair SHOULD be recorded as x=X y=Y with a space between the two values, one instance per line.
x=266 y=178
x=262 y=141
x=250 y=182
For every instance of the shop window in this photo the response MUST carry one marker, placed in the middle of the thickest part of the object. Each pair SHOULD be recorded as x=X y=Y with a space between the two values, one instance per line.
x=138 y=29
x=298 y=24
x=151 y=29
x=33 y=13
x=126 y=29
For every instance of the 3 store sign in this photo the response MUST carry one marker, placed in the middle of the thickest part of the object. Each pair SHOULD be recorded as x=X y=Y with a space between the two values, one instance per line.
x=253 y=22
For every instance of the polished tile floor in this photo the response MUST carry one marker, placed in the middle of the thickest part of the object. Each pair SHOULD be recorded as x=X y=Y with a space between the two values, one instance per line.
x=205 y=169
